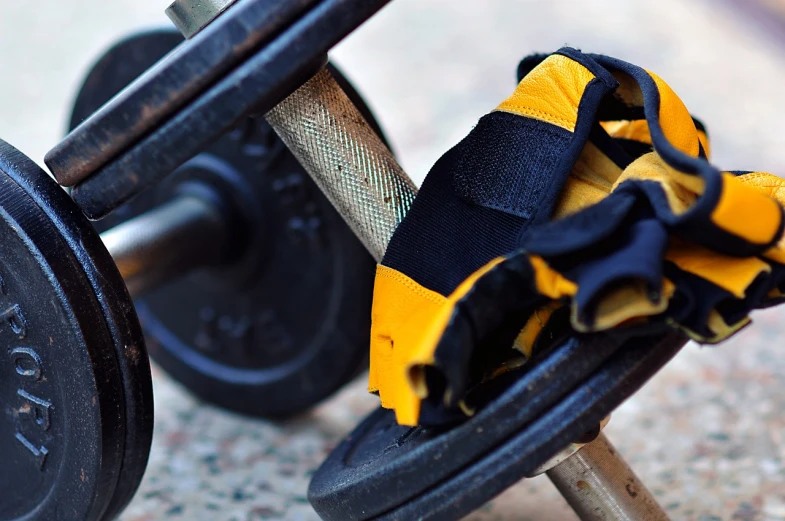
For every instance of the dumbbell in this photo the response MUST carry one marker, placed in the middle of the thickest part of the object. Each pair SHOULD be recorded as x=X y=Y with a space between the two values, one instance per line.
x=251 y=289
x=250 y=337
x=209 y=85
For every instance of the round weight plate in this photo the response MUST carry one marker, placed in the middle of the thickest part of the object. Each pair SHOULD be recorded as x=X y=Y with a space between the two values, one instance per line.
x=195 y=96
x=74 y=388
x=128 y=60
x=173 y=83
x=286 y=325
x=386 y=472
x=124 y=62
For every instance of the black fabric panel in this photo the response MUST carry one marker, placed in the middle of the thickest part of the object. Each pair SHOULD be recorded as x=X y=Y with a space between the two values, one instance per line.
x=508 y=161
x=485 y=323
x=637 y=256
x=446 y=237
x=693 y=300
x=575 y=234
x=735 y=310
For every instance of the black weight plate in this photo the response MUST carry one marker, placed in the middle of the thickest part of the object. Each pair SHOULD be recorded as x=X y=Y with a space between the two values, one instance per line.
x=73 y=390
x=124 y=62
x=128 y=59
x=580 y=412
x=386 y=472
x=380 y=456
x=253 y=87
x=160 y=92
x=287 y=325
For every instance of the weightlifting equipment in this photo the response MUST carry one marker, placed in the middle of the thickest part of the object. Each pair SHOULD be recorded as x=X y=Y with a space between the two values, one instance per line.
x=261 y=316
x=373 y=194
x=75 y=385
x=383 y=471
x=169 y=86
x=284 y=326
x=245 y=62
x=356 y=171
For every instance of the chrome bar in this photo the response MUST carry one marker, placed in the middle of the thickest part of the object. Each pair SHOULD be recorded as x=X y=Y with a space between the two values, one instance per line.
x=167 y=242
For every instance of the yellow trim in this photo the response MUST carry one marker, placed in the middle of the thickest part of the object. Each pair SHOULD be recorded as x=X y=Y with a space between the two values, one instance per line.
x=551 y=92
x=408 y=324
x=769 y=184
x=590 y=181
x=777 y=252
x=636 y=130
x=423 y=349
x=775 y=293
x=681 y=190
x=718 y=326
x=774 y=187
x=746 y=212
x=507 y=366
x=468 y=411
x=733 y=274
x=722 y=329
x=629 y=301
x=525 y=340
x=402 y=308
x=549 y=282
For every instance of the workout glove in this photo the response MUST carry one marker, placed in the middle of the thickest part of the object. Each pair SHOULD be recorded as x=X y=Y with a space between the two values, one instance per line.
x=587 y=194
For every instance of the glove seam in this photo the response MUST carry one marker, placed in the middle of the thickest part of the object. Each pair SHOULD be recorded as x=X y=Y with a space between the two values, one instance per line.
x=532 y=112
x=428 y=294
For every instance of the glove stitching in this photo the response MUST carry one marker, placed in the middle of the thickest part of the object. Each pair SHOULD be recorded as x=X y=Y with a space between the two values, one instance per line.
x=386 y=273
x=535 y=112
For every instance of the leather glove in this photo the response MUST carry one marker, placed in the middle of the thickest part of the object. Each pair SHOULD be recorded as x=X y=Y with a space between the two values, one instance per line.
x=587 y=192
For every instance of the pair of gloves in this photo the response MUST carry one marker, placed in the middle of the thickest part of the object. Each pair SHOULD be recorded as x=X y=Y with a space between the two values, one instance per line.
x=585 y=202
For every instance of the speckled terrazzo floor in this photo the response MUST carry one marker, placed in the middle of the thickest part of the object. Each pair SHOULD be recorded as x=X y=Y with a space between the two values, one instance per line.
x=707 y=435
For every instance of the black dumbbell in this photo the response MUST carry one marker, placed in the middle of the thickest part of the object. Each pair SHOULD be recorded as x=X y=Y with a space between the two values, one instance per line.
x=75 y=383
x=246 y=61
x=252 y=291
x=269 y=335
x=385 y=472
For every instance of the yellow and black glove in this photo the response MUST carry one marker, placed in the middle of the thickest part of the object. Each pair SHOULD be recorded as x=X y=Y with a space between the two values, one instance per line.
x=588 y=190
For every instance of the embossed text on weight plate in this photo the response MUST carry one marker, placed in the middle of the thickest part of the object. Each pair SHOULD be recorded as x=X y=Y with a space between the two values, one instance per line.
x=34 y=413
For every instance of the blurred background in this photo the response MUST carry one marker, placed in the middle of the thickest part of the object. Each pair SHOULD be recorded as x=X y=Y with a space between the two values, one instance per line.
x=706 y=434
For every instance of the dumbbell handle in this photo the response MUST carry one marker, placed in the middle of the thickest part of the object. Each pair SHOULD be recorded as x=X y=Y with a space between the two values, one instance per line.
x=600 y=486
x=167 y=242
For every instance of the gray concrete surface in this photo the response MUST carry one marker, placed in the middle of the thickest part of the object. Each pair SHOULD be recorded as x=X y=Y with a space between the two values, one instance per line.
x=706 y=434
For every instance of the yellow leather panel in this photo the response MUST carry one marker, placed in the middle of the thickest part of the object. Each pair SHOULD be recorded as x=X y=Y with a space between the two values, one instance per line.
x=551 y=92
